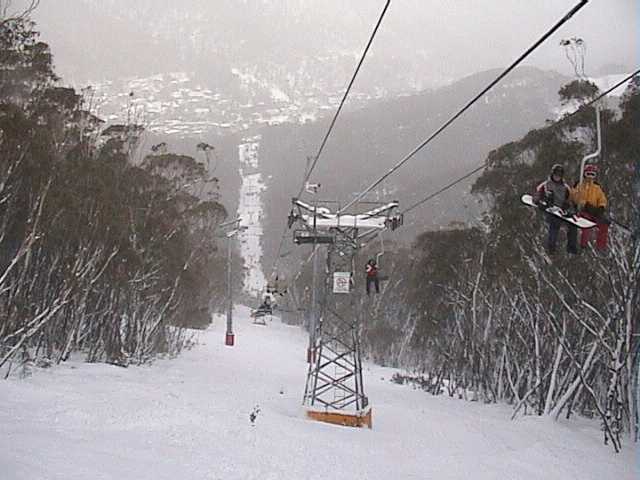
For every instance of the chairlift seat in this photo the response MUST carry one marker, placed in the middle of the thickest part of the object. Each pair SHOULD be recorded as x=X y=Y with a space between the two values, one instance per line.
x=304 y=237
x=261 y=311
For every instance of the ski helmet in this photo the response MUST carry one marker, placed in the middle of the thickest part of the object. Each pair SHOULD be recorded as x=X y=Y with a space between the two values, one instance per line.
x=590 y=170
x=557 y=169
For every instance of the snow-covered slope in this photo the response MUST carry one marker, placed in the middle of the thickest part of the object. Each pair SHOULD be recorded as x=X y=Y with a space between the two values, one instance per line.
x=189 y=419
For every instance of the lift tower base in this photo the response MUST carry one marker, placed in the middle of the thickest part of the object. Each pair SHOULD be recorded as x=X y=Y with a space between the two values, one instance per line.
x=359 y=419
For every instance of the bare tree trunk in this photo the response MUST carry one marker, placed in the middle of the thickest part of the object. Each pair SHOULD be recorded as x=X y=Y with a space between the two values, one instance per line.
x=584 y=370
x=554 y=375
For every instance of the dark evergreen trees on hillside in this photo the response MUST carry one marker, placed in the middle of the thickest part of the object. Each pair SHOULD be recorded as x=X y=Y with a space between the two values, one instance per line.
x=96 y=255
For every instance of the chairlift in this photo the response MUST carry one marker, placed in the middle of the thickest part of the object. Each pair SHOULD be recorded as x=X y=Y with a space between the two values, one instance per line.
x=586 y=223
x=304 y=236
x=260 y=317
x=264 y=311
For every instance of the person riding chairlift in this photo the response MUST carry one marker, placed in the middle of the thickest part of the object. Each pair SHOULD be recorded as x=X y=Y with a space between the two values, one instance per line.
x=372 y=276
x=591 y=203
x=555 y=192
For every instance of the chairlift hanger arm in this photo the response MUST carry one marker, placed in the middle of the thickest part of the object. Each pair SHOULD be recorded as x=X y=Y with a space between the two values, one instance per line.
x=595 y=154
x=381 y=252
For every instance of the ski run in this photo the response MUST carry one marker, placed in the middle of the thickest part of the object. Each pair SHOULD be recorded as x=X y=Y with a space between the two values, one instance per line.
x=189 y=418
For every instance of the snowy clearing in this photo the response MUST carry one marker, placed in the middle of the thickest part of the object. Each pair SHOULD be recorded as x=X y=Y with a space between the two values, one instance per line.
x=188 y=418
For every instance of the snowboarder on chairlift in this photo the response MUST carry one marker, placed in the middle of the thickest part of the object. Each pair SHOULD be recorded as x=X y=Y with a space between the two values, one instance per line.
x=555 y=192
x=591 y=202
x=372 y=276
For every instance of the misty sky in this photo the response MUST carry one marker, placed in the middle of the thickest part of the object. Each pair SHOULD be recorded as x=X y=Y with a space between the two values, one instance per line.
x=452 y=39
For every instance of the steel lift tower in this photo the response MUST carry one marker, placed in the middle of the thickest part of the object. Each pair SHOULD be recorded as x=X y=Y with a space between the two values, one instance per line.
x=334 y=391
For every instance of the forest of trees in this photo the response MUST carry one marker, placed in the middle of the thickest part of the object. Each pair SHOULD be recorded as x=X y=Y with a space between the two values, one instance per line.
x=102 y=252
x=484 y=314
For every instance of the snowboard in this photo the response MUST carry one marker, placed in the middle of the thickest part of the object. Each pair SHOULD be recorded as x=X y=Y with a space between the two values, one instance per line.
x=560 y=213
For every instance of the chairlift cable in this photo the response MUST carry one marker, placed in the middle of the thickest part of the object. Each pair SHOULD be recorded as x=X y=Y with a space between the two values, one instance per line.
x=344 y=98
x=508 y=70
x=445 y=188
x=566 y=18
x=333 y=122
x=485 y=165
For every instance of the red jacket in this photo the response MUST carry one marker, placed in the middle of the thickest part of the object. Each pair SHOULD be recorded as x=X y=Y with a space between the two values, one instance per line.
x=372 y=270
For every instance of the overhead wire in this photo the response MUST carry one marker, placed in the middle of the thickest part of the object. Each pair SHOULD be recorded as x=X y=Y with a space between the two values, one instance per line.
x=411 y=154
x=445 y=188
x=542 y=39
x=484 y=165
x=332 y=124
x=344 y=97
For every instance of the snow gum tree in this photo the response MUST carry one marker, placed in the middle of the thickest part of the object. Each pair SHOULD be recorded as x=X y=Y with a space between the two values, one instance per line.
x=97 y=255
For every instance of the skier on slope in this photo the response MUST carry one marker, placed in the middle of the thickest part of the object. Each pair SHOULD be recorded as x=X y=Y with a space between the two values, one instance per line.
x=372 y=276
x=591 y=203
x=555 y=192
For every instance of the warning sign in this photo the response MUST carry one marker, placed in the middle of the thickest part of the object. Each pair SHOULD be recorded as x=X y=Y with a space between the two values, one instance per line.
x=341 y=282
